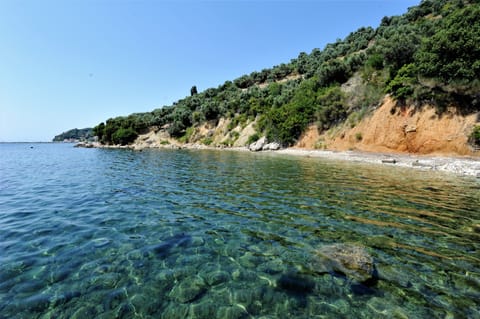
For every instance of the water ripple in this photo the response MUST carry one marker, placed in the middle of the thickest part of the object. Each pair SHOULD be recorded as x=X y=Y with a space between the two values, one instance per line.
x=208 y=234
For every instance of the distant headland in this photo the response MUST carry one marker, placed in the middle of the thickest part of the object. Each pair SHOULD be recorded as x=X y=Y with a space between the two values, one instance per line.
x=75 y=135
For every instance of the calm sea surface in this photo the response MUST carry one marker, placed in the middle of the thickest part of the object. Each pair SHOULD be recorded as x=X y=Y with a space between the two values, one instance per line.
x=93 y=233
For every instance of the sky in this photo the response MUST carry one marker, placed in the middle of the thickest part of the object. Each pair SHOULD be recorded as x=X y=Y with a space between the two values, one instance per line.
x=75 y=63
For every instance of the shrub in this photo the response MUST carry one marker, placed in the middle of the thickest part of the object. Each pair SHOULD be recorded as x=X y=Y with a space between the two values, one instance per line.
x=124 y=136
x=358 y=137
x=207 y=141
x=253 y=138
x=402 y=86
x=375 y=61
x=475 y=135
x=188 y=134
x=331 y=108
x=176 y=129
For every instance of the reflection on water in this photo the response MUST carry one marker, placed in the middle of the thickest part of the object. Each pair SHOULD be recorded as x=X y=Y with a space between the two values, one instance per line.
x=203 y=234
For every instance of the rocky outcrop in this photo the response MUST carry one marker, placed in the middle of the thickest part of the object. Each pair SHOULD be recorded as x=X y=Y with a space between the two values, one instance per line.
x=263 y=145
x=393 y=128
x=274 y=146
x=86 y=144
x=258 y=145
x=349 y=259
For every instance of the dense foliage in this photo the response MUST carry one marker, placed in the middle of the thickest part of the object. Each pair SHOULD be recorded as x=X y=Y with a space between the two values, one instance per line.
x=75 y=134
x=475 y=136
x=429 y=54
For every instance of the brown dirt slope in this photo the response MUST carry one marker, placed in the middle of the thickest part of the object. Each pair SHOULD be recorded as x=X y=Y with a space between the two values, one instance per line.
x=398 y=129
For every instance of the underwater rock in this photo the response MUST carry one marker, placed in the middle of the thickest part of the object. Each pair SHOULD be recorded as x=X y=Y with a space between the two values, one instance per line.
x=100 y=242
x=296 y=283
x=272 y=267
x=38 y=302
x=378 y=306
x=125 y=310
x=217 y=277
x=63 y=298
x=31 y=286
x=476 y=227
x=114 y=299
x=232 y=312
x=349 y=259
x=394 y=275
x=139 y=301
x=84 y=312
x=105 y=281
x=248 y=260
x=204 y=309
x=188 y=290
x=175 y=311
x=135 y=254
x=197 y=241
x=163 y=249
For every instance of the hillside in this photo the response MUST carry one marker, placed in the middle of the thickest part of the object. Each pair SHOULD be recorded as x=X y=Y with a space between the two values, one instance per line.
x=75 y=135
x=415 y=79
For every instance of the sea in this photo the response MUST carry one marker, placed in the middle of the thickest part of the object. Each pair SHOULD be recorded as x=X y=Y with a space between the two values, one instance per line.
x=116 y=233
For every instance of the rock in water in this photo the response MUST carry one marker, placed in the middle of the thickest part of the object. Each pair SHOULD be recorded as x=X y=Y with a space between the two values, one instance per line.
x=258 y=145
x=296 y=283
x=188 y=290
x=349 y=259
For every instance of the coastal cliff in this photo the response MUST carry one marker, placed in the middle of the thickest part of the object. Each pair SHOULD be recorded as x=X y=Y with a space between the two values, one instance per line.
x=400 y=129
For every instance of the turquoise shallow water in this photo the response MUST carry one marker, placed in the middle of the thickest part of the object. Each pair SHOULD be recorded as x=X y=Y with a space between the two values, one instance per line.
x=91 y=233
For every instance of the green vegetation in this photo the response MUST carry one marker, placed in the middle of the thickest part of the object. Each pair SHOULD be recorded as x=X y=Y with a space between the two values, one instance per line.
x=475 y=136
x=207 y=141
x=358 y=137
x=253 y=138
x=124 y=136
x=188 y=134
x=84 y=134
x=429 y=54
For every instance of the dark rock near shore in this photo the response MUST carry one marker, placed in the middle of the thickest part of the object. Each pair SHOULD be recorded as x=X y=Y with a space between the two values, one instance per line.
x=389 y=161
x=85 y=145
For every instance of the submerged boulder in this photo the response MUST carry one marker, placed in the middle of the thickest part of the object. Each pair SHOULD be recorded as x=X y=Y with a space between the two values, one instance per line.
x=188 y=290
x=349 y=259
x=296 y=283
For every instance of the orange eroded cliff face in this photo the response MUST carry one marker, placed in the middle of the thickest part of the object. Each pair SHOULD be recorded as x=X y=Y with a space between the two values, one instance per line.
x=399 y=130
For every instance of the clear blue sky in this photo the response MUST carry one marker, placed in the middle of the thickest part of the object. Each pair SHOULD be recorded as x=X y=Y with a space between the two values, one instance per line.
x=75 y=63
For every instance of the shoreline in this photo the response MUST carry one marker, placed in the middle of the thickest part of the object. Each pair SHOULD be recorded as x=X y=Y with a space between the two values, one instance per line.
x=466 y=165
